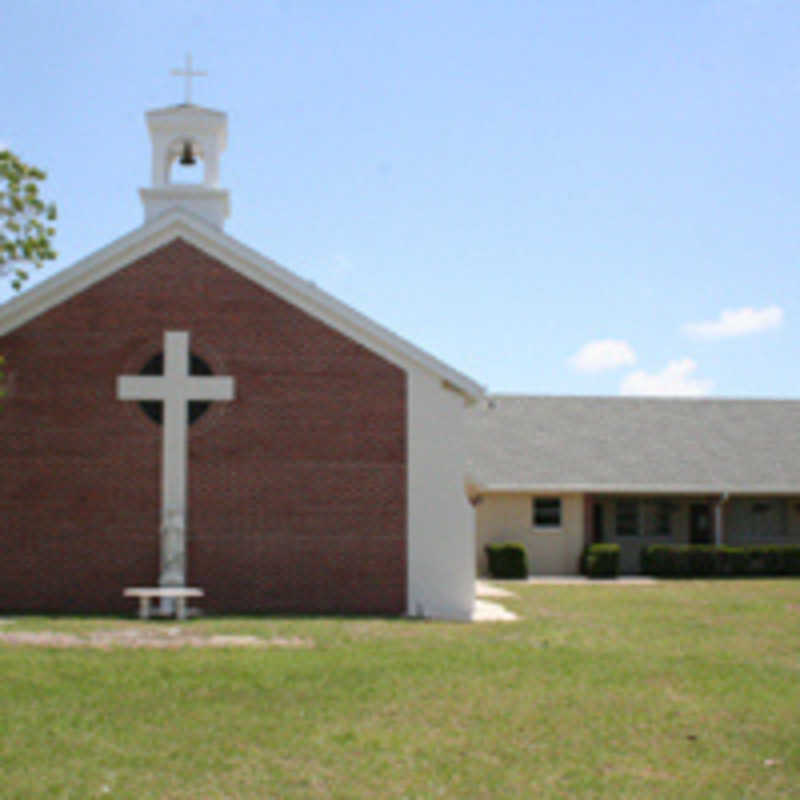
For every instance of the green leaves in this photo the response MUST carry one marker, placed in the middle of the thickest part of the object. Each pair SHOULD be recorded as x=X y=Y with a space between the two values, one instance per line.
x=25 y=238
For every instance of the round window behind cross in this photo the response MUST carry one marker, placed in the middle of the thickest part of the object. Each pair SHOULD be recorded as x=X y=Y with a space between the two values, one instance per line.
x=155 y=408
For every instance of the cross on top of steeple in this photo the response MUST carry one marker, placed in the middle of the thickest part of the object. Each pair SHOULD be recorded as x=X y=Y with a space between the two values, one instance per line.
x=188 y=73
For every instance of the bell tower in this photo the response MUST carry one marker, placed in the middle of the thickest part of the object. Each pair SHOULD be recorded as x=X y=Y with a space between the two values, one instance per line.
x=187 y=134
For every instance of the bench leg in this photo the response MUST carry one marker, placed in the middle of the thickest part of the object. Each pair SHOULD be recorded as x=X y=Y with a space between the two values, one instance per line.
x=144 y=608
x=180 y=608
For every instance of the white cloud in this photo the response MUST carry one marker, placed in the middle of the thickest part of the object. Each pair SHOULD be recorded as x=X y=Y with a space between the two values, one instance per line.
x=737 y=322
x=3 y=145
x=603 y=354
x=677 y=379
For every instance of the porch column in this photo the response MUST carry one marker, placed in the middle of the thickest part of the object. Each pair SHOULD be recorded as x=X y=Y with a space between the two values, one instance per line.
x=719 y=520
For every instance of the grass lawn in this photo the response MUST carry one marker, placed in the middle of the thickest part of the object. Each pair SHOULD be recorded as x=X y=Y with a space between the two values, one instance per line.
x=683 y=689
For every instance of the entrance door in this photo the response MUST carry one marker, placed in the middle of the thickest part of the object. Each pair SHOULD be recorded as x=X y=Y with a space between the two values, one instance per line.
x=700 y=523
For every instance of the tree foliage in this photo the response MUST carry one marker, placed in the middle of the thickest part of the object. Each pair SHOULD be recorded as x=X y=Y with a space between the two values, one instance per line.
x=26 y=230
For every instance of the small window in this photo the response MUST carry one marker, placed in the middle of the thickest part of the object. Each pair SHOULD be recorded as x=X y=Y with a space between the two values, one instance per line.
x=627 y=518
x=766 y=520
x=546 y=512
x=155 y=408
x=660 y=522
x=644 y=516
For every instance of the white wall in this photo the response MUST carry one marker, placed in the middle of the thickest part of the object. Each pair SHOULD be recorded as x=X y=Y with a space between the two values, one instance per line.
x=441 y=531
x=508 y=517
x=212 y=205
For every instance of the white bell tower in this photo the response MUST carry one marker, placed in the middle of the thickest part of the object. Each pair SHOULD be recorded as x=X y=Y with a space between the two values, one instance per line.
x=187 y=133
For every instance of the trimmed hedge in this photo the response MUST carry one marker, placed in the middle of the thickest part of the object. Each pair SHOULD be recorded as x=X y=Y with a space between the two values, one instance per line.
x=709 y=560
x=601 y=561
x=508 y=560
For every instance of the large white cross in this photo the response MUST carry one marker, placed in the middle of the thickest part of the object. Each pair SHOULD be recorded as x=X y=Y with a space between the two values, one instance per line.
x=175 y=389
x=188 y=73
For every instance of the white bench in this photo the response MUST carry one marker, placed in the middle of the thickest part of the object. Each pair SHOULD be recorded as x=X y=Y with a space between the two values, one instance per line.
x=177 y=593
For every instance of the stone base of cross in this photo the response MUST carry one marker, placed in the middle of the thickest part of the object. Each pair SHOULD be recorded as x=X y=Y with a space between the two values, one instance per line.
x=175 y=389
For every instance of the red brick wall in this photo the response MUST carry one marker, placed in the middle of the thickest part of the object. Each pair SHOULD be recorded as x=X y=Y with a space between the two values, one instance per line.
x=297 y=489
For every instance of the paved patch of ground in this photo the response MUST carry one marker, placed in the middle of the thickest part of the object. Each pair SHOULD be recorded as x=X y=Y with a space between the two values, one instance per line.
x=486 y=589
x=581 y=580
x=155 y=638
x=490 y=611
x=487 y=610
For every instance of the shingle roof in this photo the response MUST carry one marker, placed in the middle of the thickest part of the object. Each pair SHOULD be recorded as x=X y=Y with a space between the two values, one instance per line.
x=631 y=443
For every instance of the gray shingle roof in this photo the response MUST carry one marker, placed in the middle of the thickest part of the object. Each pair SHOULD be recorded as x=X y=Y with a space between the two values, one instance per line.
x=632 y=443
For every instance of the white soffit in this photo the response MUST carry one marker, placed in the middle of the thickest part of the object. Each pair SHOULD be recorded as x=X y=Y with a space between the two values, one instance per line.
x=637 y=489
x=301 y=293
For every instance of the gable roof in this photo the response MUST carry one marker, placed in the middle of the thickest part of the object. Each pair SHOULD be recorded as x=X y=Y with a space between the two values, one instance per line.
x=634 y=444
x=178 y=223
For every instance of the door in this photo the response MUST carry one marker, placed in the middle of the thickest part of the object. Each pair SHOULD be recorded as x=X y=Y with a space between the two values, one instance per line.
x=597 y=522
x=700 y=523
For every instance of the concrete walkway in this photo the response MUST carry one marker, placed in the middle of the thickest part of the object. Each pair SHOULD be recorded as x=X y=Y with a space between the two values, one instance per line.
x=492 y=611
x=488 y=610
x=485 y=589
x=582 y=580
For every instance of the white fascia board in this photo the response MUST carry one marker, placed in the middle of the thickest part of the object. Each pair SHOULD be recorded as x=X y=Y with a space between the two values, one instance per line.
x=177 y=223
x=190 y=111
x=584 y=488
x=81 y=275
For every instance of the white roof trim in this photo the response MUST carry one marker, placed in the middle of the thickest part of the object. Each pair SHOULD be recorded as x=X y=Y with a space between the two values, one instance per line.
x=576 y=488
x=177 y=223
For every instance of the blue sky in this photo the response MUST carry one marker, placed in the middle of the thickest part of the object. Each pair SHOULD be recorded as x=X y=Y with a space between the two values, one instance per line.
x=553 y=197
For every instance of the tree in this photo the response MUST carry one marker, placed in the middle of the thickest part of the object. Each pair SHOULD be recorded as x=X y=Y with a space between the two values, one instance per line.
x=25 y=230
x=25 y=235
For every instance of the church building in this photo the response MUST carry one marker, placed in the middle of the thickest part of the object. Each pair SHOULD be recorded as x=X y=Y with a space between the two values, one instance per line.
x=182 y=411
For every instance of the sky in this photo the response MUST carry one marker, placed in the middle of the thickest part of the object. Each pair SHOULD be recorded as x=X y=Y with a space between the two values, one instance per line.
x=560 y=197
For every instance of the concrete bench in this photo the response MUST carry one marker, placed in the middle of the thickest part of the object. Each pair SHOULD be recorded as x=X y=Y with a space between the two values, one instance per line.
x=177 y=593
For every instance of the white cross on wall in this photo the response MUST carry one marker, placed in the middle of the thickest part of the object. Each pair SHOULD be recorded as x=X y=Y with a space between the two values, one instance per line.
x=188 y=73
x=175 y=389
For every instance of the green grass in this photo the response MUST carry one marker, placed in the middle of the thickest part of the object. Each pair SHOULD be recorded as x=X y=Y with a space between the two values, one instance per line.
x=684 y=689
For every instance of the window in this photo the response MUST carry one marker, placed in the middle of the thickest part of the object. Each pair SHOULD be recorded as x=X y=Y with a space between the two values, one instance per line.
x=761 y=519
x=154 y=408
x=659 y=518
x=627 y=518
x=546 y=512
x=645 y=517
x=766 y=520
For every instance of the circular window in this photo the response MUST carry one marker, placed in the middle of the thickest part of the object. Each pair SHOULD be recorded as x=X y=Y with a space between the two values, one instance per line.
x=155 y=408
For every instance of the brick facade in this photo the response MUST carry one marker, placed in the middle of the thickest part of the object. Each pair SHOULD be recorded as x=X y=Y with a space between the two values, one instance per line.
x=297 y=489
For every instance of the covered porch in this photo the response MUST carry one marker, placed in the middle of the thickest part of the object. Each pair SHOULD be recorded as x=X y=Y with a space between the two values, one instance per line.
x=634 y=521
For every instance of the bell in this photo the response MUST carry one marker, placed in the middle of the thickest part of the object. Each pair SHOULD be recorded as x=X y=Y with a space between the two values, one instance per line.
x=187 y=155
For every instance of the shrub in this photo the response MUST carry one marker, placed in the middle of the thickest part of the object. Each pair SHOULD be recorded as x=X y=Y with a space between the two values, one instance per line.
x=709 y=560
x=601 y=561
x=507 y=560
x=680 y=560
